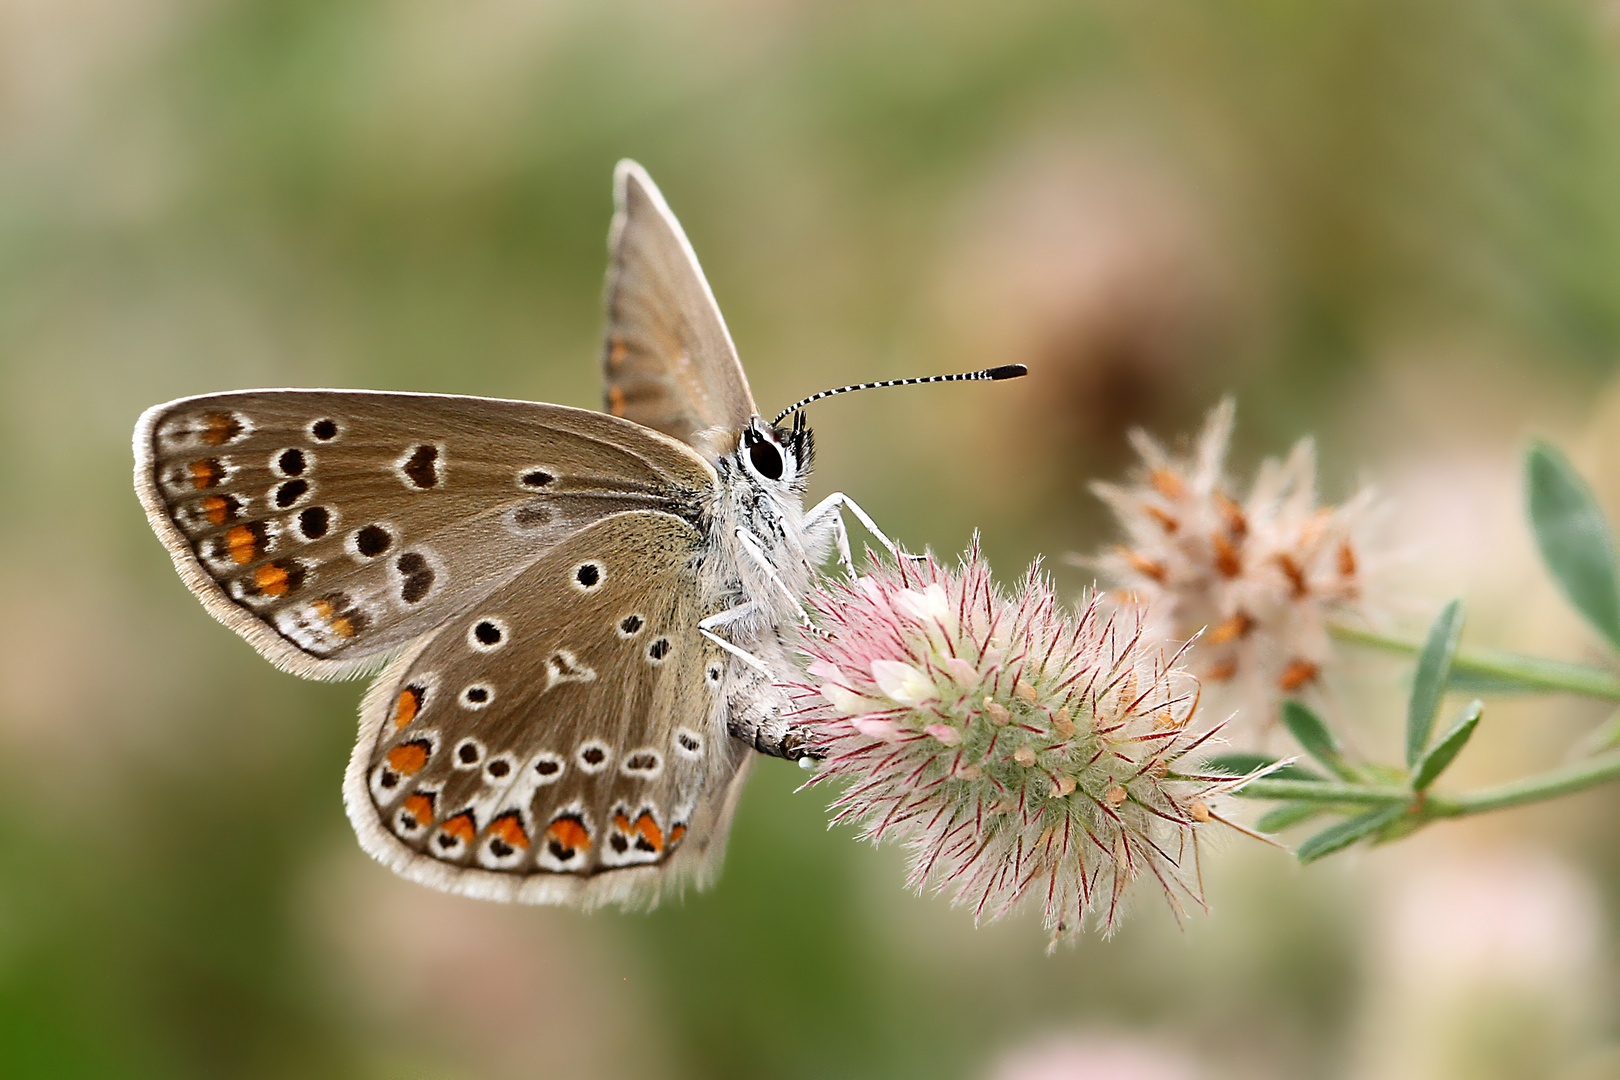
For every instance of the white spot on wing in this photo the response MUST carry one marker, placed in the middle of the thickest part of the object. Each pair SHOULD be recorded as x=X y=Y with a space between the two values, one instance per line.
x=562 y=667
x=643 y=763
x=588 y=576
x=593 y=756
x=687 y=743
x=467 y=754
x=547 y=768
x=487 y=633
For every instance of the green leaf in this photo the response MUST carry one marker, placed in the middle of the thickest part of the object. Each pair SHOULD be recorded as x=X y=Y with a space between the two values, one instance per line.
x=1338 y=837
x=1288 y=815
x=1429 y=684
x=1434 y=763
x=1312 y=734
x=1479 y=682
x=1398 y=829
x=1574 y=537
x=1242 y=764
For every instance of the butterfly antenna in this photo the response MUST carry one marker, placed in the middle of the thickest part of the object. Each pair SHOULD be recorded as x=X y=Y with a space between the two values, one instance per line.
x=1005 y=371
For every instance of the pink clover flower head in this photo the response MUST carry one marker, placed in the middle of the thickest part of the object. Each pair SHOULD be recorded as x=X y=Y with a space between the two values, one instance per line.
x=1260 y=577
x=1019 y=753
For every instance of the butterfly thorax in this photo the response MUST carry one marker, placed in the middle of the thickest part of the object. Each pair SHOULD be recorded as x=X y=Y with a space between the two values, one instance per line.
x=753 y=509
x=757 y=520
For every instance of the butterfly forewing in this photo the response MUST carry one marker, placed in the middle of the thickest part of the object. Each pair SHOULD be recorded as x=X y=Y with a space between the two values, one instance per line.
x=332 y=527
x=562 y=740
x=667 y=360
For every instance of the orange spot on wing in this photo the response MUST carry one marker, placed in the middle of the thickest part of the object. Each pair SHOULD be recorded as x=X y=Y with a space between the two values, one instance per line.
x=271 y=579
x=461 y=827
x=615 y=401
x=205 y=473
x=407 y=759
x=344 y=627
x=621 y=822
x=569 y=832
x=406 y=708
x=420 y=807
x=241 y=544
x=324 y=607
x=647 y=827
x=510 y=829
x=1222 y=671
x=617 y=353
x=217 y=509
x=220 y=428
x=675 y=834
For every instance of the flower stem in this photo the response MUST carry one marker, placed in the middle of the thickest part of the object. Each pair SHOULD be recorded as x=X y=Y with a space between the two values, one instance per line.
x=1507 y=671
x=1548 y=785
x=1324 y=791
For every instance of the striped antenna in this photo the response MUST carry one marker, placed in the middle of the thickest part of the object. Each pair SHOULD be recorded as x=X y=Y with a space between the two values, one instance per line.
x=1005 y=371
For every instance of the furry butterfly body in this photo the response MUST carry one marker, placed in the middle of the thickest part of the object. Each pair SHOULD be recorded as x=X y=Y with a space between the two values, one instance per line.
x=576 y=613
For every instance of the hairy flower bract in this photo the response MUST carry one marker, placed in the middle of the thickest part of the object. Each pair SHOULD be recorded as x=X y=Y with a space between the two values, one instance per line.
x=1018 y=753
x=1258 y=578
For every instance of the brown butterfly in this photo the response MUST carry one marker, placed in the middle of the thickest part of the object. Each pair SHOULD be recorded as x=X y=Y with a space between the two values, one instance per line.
x=580 y=613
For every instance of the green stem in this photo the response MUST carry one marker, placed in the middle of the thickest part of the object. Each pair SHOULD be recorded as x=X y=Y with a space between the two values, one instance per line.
x=1323 y=791
x=1524 y=672
x=1548 y=785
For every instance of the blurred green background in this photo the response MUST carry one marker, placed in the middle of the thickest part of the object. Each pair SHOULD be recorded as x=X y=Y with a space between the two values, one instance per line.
x=1394 y=223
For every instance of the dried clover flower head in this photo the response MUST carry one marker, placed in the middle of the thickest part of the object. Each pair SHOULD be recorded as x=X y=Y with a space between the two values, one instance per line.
x=1018 y=753
x=1259 y=577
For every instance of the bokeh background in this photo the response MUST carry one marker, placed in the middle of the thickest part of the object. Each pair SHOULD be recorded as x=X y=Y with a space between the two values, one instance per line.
x=1393 y=223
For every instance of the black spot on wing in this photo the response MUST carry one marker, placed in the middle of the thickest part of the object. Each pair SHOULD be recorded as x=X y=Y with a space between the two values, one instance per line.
x=421 y=468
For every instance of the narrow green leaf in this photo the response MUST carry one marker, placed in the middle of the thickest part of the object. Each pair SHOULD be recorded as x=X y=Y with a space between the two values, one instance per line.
x=1398 y=829
x=1429 y=684
x=1476 y=682
x=1288 y=815
x=1434 y=763
x=1242 y=764
x=1319 y=742
x=1338 y=837
x=1574 y=537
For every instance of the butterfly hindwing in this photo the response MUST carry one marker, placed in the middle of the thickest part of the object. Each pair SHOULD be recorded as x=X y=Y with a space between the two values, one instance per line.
x=667 y=359
x=330 y=528
x=562 y=740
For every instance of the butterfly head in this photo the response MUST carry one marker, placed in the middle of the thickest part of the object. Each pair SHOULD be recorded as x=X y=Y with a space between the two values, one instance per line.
x=776 y=456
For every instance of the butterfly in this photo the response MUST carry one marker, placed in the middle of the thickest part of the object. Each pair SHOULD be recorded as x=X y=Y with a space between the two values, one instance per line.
x=578 y=616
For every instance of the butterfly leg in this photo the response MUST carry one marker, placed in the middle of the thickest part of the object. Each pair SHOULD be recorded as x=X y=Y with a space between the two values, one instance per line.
x=758 y=714
x=707 y=626
x=828 y=514
x=756 y=551
x=824 y=517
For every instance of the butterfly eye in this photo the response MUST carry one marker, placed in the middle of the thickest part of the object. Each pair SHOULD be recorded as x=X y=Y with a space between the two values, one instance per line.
x=767 y=459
